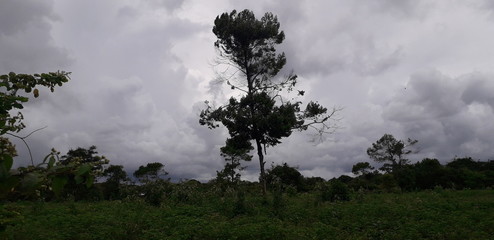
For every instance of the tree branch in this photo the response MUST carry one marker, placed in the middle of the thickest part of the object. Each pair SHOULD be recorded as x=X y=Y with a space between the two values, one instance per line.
x=27 y=145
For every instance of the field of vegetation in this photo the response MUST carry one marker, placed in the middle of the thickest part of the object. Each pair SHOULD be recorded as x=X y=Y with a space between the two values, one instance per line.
x=433 y=214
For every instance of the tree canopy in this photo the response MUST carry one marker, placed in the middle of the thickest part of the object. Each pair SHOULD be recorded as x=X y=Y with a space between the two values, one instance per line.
x=390 y=151
x=88 y=156
x=152 y=171
x=362 y=168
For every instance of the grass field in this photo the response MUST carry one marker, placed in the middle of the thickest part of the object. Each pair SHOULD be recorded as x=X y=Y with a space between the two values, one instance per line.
x=467 y=214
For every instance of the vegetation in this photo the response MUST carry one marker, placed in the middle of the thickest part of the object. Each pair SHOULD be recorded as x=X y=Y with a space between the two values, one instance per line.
x=438 y=214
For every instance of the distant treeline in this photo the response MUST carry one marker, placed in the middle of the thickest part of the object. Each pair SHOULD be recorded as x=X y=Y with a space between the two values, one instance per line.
x=83 y=175
x=461 y=173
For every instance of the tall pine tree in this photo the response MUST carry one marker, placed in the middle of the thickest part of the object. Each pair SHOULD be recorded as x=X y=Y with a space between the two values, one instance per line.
x=261 y=116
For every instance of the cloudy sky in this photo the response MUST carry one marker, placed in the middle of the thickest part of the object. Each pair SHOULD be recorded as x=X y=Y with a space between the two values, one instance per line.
x=141 y=71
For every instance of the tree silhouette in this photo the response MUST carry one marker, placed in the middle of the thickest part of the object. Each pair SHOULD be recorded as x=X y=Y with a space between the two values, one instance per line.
x=150 y=172
x=362 y=168
x=83 y=155
x=260 y=115
x=391 y=152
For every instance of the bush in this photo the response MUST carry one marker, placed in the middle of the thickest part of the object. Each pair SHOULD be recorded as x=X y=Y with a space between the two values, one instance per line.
x=189 y=192
x=286 y=175
x=334 y=190
x=154 y=192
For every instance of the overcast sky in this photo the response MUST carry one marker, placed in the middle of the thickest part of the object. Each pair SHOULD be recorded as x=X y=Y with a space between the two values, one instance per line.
x=141 y=71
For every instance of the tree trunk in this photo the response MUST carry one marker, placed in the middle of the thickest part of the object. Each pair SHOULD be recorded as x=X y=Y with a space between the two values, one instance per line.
x=262 y=179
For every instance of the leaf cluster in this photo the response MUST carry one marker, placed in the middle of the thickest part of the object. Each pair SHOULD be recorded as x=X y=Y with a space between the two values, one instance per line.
x=50 y=176
x=10 y=98
x=249 y=43
x=85 y=156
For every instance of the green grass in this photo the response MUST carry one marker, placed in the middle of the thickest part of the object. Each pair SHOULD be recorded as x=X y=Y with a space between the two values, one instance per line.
x=461 y=215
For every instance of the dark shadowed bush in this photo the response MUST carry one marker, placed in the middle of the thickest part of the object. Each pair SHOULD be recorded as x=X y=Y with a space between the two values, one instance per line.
x=334 y=190
x=285 y=175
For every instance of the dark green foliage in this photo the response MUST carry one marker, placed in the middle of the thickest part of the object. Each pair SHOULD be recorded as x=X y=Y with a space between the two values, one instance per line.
x=229 y=177
x=85 y=156
x=387 y=183
x=51 y=179
x=242 y=37
x=155 y=192
x=10 y=98
x=115 y=176
x=150 y=172
x=467 y=173
x=429 y=173
x=405 y=178
x=345 y=179
x=334 y=190
x=283 y=176
x=188 y=192
x=89 y=166
x=391 y=152
x=422 y=215
x=278 y=201
x=362 y=168
x=311 y=183
x=461 y=173
x=465 y=163
x=240 y=207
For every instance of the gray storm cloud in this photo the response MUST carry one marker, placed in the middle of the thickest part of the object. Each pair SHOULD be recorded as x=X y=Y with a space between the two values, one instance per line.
x=452 y=116
x=142 y=69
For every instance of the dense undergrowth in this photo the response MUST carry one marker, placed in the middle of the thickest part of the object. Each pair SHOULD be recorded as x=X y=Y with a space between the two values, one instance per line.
x=434 y=214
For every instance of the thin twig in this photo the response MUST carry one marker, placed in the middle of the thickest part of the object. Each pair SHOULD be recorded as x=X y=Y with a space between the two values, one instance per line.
x=27 y=145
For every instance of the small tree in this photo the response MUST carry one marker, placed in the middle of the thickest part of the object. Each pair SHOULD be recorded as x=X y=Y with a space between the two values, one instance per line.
x=285 y=175
x=83 y=155
x=150 y=172
x=391 y=152
x=94 y=165
x=362 y=168
x=115 y=173
x=429 y=174
x=261 y=115
x=233 y=154
x=154 y=188
x=115 y=176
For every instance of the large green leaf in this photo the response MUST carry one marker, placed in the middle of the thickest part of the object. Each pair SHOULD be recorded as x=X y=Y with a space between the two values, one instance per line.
x=83 y=169
x=51 y=162
x=6 y=162
x=79 y=179
x=89 y=181
x=58 y=183
x=7 y=185
x=31 y=181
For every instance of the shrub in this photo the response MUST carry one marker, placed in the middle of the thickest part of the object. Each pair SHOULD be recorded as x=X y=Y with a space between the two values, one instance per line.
x=334 y=190
x=154 y=192
x=286 y=175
